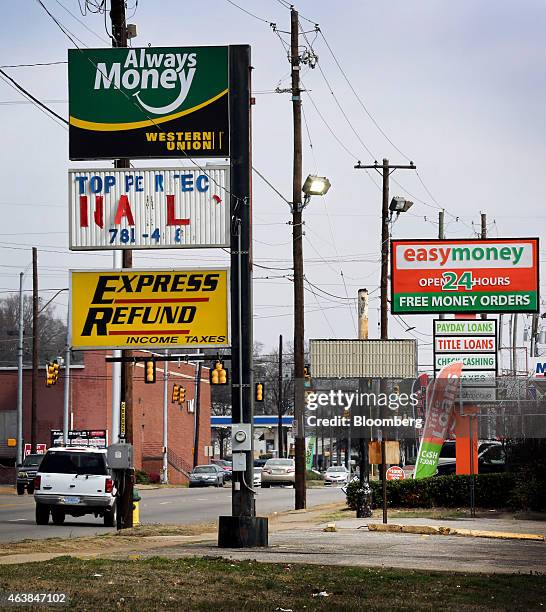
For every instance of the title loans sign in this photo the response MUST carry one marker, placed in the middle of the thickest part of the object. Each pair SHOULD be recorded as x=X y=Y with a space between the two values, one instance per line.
x=149 y=208
x=499 y=275
x=151 y=102
x=160 y=308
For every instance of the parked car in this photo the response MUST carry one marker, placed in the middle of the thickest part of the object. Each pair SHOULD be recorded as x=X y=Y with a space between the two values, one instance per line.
x=491 y=458
x=257 y=482
x=207 y=476
x=74 y=481
x=26 y=473
x=226 y=466
x=279 y=472
x=259 y=462
x=336 y=474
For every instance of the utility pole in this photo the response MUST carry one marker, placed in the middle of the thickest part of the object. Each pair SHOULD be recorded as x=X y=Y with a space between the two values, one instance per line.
x=385 y=169
x=279 y=402
x=197 y=409
x=35 y=350
x=297 y=251
x=119 y=39
x=66 y=399
x=165 y=466
x=483 y=237
x=20 y=373
x=441 y=236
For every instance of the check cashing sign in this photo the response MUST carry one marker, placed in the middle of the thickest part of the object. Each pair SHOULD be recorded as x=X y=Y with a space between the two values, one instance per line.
x=149 y=102
x=149 y=308
x=472 y=276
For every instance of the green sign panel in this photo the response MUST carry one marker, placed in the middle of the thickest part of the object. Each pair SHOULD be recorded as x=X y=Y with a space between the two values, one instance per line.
x=150 y=102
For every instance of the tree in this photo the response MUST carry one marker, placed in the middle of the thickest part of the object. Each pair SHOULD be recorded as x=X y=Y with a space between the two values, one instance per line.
x=52 y=332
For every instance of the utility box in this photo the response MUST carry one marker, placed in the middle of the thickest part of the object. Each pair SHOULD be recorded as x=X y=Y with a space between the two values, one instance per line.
x=241 y=437
x=120 y=456
x=238 y=462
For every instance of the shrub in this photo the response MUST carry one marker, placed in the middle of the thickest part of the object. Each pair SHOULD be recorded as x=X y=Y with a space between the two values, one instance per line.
x=491 y=491
x=311 y=475
x=141 y=477
x=154 y=477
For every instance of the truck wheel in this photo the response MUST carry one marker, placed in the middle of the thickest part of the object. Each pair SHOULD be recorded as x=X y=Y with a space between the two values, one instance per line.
x=20 y=489
x=58 y=516
x=110 y=517
x=42 y=514
x=30 y=488
x=265 y=486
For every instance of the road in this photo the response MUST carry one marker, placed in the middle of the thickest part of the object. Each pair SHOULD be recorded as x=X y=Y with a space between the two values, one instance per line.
x=178 y=506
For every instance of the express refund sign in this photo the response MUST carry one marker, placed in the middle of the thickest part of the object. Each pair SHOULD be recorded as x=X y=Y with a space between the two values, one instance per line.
x=163 y=308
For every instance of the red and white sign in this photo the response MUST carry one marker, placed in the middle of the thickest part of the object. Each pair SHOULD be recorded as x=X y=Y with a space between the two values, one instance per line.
x=40 y=449
x=395 y=473
x=469 y=276
x=149 y=208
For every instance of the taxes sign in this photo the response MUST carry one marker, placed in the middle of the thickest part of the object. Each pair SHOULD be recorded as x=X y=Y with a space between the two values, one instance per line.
x=472 y=276
x=148 y=102
x=148 y=308
x=149 y=208
x=474 y=343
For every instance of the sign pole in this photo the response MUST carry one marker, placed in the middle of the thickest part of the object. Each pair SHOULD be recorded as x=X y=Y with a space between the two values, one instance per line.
x=242 y=529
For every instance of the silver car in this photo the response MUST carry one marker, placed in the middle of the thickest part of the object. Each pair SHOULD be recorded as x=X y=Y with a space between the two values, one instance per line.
x=336 y=474
x=206 y=476
x=279 y=472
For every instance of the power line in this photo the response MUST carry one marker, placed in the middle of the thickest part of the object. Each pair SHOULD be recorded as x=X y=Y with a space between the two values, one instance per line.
x=33 y=98
x=249 y=13
x=32 y=65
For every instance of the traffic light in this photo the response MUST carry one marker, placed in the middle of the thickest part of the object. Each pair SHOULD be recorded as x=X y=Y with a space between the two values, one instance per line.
x=259 y=392
x=176 y=394
x=218 y=375
x=149 y=372
x=56 y=368
x=346 y=413
x=51 y=374
x=182 y=395
x=307 y=376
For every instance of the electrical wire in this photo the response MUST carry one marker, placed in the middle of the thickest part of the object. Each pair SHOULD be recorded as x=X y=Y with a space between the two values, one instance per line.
x=249 y=13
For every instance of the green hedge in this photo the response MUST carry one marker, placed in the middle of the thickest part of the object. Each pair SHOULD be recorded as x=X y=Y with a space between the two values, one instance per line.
x=491 y=491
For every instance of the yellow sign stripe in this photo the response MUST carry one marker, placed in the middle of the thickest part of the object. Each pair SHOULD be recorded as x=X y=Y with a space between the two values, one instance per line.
x=115 y=127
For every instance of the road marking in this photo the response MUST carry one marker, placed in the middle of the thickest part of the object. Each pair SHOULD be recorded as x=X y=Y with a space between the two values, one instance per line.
x=10 y=505
x=163 y=503
x=15 y=520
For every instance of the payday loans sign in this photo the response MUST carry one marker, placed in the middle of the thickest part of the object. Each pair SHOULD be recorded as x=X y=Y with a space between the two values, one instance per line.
x=471 y=276
x=150 y=102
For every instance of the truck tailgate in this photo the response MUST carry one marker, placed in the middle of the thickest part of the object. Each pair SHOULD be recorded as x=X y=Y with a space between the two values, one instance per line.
x=72 y=484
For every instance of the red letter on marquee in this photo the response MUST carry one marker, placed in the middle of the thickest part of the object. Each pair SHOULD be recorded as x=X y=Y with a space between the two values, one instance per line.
x=171 y=216
x=124 y=210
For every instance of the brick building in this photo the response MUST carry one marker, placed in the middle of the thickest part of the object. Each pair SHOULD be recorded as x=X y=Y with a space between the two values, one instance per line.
x=90 y=407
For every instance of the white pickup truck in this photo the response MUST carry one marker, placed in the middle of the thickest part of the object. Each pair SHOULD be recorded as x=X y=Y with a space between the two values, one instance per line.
x=74 y=481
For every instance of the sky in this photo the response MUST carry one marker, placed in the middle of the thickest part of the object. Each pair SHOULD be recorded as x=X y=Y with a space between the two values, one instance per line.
x=457 y=88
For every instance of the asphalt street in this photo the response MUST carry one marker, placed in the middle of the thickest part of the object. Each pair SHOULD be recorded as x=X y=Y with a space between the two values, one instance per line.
x=172 y=506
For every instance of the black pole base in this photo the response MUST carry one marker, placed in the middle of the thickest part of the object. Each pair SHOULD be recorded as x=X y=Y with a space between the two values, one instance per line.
x=242 y=532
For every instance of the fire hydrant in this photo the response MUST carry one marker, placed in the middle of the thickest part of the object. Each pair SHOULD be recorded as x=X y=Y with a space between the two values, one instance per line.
x=136 y=507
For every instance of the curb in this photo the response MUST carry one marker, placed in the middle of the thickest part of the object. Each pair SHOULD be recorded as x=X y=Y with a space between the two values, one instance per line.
x=473 y=533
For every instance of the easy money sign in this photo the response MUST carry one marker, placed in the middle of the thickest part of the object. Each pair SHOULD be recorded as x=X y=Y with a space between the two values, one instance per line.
x=148 y=308
x=470 y=276
x=148 y=102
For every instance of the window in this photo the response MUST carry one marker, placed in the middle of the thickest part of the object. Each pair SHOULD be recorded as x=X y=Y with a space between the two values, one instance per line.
x=205 y=469
x=65 y=462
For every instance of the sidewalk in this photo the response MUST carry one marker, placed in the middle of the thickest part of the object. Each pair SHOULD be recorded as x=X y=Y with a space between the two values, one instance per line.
x=299 y=537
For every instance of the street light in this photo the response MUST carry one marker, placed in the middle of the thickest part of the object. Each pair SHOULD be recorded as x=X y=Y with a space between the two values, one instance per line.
x=313 y=185
x=399 y=205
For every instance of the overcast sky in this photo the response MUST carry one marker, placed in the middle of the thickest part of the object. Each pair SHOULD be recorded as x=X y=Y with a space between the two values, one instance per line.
x=458 y=87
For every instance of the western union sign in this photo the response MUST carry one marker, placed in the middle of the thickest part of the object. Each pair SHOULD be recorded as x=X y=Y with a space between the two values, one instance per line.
x=149 y=308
